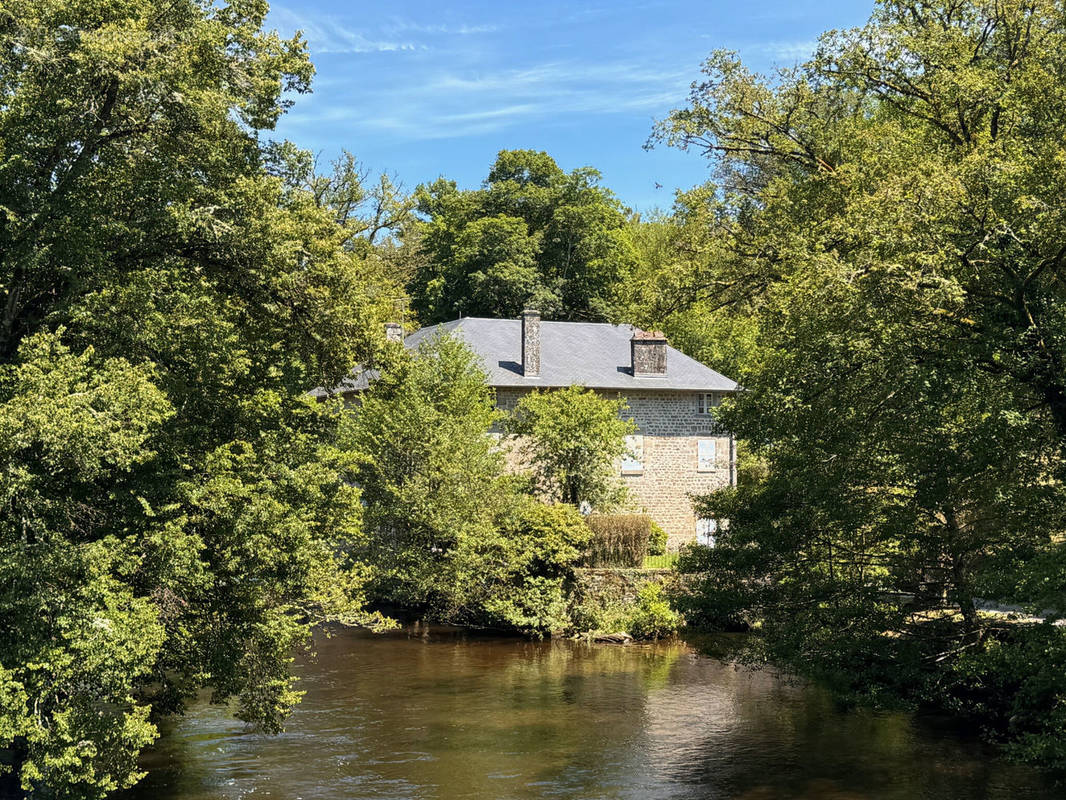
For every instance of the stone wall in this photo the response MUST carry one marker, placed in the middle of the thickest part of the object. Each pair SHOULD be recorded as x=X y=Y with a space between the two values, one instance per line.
x=608 y=585
x=671 y=427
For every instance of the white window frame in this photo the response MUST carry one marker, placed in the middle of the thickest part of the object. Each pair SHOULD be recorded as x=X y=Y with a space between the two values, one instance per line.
x=703 y=462
x=633 y=460
x=707 y=402
x=706 y=531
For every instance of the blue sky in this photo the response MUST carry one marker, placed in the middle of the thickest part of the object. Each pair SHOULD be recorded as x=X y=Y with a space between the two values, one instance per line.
x=423 y=89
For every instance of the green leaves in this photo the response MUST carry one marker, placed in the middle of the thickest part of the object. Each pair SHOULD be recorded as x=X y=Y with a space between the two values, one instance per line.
x=429 y=472
x=84 y=415
x=532 y=235
x=573 y=438
x=890 y=217
x=450 y=533
x=173 y=510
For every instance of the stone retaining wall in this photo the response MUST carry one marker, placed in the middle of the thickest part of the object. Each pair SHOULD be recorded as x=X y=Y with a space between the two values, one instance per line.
x=607 y=585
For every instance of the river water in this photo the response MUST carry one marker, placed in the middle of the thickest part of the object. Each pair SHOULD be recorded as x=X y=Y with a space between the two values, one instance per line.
x=445 y=715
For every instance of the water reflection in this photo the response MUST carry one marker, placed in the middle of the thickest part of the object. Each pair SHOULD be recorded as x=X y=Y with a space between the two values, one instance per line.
x=442 y=715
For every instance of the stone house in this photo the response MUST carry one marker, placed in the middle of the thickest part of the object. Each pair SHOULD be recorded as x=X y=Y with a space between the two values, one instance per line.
x=679 y=448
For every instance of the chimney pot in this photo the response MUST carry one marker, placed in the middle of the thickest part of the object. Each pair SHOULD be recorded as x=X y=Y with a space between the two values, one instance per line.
x=531 y=343
x=394 y=331
x=648 y=352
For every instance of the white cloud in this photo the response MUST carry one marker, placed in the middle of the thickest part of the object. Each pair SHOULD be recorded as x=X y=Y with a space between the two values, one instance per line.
x=457 y=104
x=330 y=35
x=408 y=26
x=454 y=87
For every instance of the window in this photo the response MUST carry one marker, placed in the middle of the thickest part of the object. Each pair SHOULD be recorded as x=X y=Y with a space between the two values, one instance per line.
x=709 y=401
x=706 y=455
x=706 y=529
x=633 y=460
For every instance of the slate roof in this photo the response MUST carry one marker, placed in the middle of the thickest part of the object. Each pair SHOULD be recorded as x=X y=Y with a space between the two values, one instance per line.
x=592 y=354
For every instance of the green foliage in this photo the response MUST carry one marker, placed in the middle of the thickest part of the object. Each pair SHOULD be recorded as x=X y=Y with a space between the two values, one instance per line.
x=533 y=235
x=430 y=474
x=618 y=540
x=174 y=517
x=713 y=595
x=671 y=290
x=1016 y=688
x=649 y=616
x=573 y=438
x=450 y=533
x=652 y=617
x=657 y=539
x=888 y=215
x=530 y=564
x=592 y=615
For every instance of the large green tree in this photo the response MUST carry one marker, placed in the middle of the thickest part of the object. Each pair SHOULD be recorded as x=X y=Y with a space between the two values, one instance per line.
x=430 y=473
x=891 y=212
x=531 y=235
x=173 y=515
x=448 y=530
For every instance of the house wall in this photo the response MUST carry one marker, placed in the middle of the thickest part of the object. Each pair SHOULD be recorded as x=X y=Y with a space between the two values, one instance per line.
x=671 y=427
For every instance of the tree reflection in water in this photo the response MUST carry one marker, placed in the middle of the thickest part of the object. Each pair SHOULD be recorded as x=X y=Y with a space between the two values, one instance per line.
x=443 y=714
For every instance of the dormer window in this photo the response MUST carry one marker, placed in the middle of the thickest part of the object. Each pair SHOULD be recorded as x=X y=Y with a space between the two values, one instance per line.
x=709 y=401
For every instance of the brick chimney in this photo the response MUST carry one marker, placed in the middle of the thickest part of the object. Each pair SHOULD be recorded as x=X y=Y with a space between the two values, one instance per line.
x=394 y=331
x=531 y=343
x=648 y=349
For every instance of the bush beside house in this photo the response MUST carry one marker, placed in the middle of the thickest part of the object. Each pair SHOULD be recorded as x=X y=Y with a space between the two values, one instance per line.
x=454 y=536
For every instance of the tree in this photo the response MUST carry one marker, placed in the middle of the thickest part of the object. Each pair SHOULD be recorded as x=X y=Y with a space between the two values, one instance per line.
x=573 y=438
x=532 y=235
x=449 y=531
x=366 y=210
x=430 y=474
x=674 y=290
x=890 y=213
x=173 y=511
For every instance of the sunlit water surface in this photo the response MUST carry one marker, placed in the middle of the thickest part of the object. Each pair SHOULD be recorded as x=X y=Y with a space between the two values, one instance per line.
x=446 y=715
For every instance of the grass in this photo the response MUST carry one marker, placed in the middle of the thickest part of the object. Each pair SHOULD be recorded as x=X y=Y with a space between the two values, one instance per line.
x=660 y=562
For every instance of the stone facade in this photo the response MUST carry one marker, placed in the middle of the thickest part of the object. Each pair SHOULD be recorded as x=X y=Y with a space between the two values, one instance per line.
x=670 y=430
x=607 y=585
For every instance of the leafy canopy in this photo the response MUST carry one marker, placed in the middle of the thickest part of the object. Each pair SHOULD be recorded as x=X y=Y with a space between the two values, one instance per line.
x=533 y=235
x=174 y=517
x=573 y=439
x=449 y=531
x=429 y=472
x=891 y=215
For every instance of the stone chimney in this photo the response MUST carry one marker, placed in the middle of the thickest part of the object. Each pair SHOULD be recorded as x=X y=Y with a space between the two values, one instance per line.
x=394 y=331
x=648 y=349
x=531 y=343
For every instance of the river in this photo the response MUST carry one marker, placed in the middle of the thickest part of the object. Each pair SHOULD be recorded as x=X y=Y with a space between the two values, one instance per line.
x=444 y=714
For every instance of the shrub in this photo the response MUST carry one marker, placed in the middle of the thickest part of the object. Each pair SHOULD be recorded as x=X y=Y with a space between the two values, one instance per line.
x=657 y=540
x=618 y=540
x=653 y=617
x=528 y=566
x=1016 y=686
x=600 y=614
x=708 y=595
